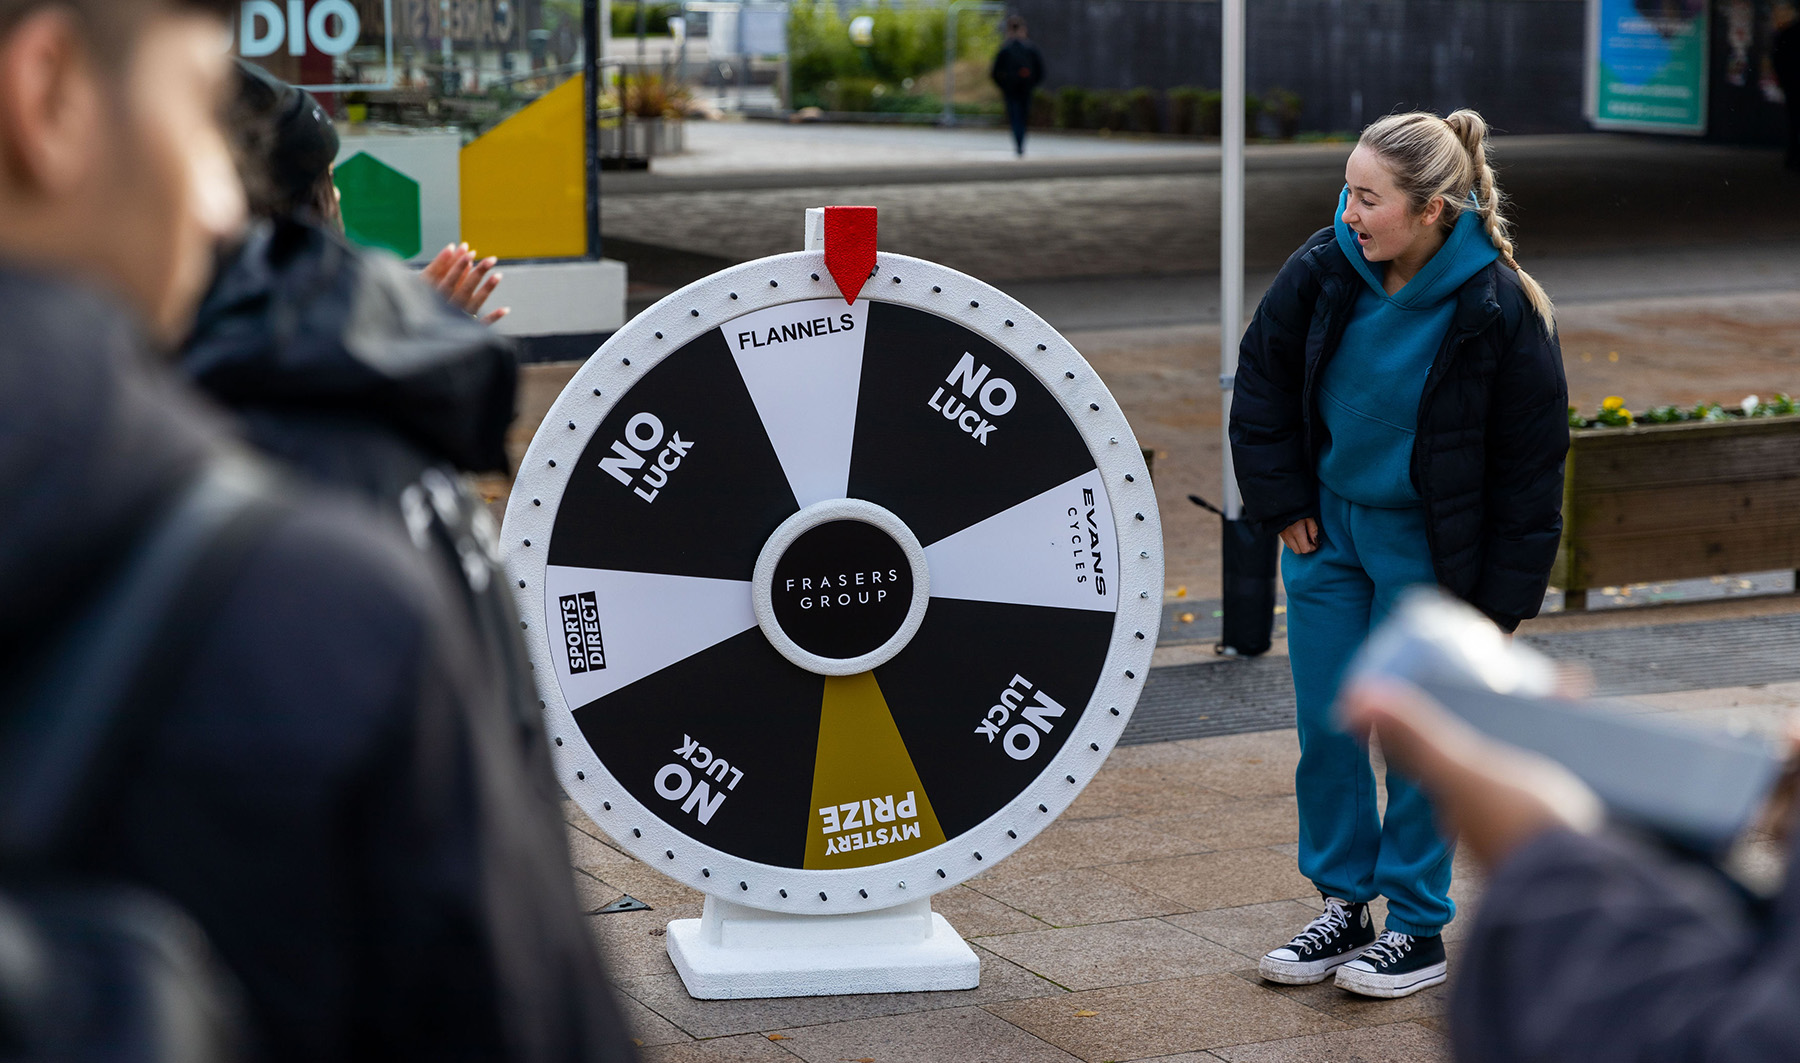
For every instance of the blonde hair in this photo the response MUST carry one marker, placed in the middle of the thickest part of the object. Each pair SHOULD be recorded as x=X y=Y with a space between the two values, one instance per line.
x=1447 y=158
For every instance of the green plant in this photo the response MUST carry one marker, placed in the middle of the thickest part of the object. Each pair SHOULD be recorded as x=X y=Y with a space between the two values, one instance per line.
x=905 y=42
x=649 y=96
x=1140 y=111
x=1185 y=104
x=1107 y=109
x=1212 y=105
x=1283 y=106
x=1071 y=107
x=656 y=18
x=851 y=94
x=1612 y=412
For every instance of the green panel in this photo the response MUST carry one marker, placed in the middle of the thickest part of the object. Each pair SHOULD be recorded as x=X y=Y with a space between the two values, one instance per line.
x=380 y=205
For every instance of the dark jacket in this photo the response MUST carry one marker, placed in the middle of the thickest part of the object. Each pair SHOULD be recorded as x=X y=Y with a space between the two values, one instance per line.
x=341 y=364
x=1018 y=67
x=333 y=796
x=1492 y=426
x=1599 y=950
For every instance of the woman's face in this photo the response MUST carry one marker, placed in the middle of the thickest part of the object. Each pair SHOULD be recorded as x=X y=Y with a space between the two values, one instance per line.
x=1377 y=211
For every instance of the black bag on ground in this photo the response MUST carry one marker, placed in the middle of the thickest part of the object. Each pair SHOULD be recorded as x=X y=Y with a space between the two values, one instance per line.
x=1248 y=588
x=93 y=970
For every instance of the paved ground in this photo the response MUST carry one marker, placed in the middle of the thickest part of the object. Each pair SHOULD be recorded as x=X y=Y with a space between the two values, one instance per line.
x=1128 y=930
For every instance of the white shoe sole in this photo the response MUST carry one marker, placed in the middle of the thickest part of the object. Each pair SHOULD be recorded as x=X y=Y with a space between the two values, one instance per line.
x=1389 y=986
x=1304 y=972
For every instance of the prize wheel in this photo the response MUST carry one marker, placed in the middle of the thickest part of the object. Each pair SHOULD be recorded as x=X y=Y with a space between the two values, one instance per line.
x=832 y=605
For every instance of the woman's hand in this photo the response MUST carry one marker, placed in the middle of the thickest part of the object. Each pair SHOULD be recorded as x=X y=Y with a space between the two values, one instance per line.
x=1302 y=536
x=464 y=282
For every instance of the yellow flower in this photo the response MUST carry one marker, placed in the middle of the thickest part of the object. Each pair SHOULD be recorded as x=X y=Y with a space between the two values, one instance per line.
x=1613 y=402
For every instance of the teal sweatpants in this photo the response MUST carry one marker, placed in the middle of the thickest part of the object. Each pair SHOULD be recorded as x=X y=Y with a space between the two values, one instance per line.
x=1335 y=595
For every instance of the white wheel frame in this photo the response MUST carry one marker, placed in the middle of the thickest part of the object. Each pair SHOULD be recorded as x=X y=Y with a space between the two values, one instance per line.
x=666 y=328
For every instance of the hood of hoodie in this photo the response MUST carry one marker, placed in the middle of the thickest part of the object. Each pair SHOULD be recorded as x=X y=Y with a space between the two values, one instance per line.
x=298 y=320
x=1466 y=252
x=93 y=442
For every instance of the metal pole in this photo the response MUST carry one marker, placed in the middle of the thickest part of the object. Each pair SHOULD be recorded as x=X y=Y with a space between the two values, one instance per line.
x=590 y=118
x=950 y=63
x=445 y=54
x=1231 y=231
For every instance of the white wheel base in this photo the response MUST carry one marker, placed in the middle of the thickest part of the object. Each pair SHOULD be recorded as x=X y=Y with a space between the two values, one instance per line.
x=733 y=952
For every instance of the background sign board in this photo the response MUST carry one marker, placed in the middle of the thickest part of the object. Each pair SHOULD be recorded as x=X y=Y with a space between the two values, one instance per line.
x=314 y=35
x=402 y=191
x=1647 y=65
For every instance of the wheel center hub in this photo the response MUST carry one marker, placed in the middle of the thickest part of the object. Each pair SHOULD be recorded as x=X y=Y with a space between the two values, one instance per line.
x=841 y=587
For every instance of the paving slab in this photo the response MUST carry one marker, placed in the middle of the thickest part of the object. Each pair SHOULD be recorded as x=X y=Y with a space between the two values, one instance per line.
x=1240 y=824
x=1402 y=1042
x=1250 y=930
x=646 y=1028
x=1346 y=1007
x=1075 y=843
x=1142 y=792
x=1227 y=879
x=1163 y=1018
x=1001 y=980
x=648 y=885
x=976 y=915
x=925 y=1037
x=635 y=944
x=590 y=853
x=1078 y=897
x=750 y=1048
x=1114 y=954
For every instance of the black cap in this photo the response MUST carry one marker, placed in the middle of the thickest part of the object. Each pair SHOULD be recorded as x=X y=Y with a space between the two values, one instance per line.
x=303 y=142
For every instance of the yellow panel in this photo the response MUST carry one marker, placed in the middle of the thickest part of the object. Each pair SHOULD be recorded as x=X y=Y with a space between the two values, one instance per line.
x=868 y=805
x=523 y=182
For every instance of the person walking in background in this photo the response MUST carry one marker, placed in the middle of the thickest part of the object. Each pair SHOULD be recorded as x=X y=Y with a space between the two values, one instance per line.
x=1785 y=58
x=1400 y=418
x=1018 y=70
x=317 y=772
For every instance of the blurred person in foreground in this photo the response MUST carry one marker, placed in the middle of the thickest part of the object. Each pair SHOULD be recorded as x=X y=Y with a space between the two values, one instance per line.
x=1400 y=418
x=346 y=368
x=1018 y=71
x=328 y=790
x=1591 y=946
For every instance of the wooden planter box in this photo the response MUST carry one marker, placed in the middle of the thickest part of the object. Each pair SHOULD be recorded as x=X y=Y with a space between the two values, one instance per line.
x=1679 y=501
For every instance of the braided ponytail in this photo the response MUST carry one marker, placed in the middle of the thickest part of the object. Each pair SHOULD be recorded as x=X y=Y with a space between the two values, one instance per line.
x=1447 y=158
x=1471 y=131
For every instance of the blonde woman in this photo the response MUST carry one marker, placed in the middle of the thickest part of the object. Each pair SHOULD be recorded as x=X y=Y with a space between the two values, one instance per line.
x=1399 y=419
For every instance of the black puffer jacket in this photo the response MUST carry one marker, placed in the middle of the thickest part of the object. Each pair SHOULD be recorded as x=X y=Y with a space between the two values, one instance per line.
x=1492 y=427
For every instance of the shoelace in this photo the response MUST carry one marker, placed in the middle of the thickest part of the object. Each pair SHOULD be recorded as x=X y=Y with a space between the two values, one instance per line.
x=1330 y=923
x=1388 y=948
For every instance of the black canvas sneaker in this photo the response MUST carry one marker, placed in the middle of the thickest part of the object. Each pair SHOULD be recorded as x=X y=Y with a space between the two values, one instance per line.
x=1340 y=934
x=1397 y=965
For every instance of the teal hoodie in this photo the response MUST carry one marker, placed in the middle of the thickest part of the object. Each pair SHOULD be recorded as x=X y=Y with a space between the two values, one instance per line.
x=1370 y=391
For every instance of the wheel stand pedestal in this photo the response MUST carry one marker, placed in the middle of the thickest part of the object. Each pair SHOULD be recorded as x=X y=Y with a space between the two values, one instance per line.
x=735 y=952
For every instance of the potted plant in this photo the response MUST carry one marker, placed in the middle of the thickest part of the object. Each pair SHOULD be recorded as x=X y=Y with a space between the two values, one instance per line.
x=1679 y=493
